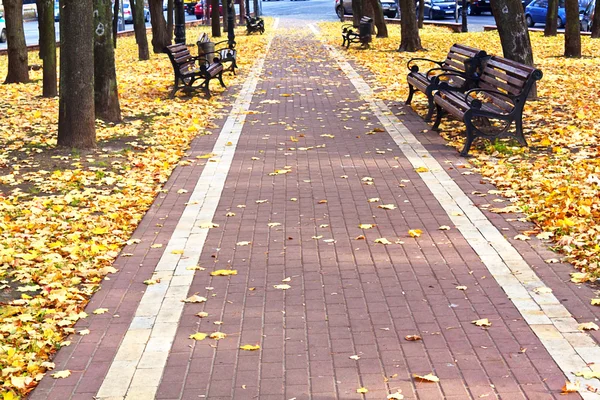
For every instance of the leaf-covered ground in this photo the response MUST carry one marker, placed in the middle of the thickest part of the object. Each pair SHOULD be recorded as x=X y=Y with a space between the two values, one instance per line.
x=556 y=180
x=64 y=215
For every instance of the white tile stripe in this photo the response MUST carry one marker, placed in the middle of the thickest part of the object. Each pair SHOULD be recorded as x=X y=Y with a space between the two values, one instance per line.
x=548 y=318
x=138 y=366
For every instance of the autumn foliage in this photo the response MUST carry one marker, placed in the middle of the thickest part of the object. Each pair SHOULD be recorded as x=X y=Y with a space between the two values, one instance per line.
x=555 y=181
x=65 y=215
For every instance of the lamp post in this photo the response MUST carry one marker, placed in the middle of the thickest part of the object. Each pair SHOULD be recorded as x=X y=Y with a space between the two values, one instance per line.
x=464 y=27
x=230 y=23
x=179 y=21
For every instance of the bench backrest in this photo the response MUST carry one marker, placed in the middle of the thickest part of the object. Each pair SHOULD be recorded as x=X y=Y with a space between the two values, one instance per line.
x=181 y=58
x=510 y=77
x=459 y=58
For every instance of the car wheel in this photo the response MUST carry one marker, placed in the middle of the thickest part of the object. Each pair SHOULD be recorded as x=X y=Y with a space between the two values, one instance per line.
x=3 y=36
x=529 y=21
x=559 y=23
x=340 y=13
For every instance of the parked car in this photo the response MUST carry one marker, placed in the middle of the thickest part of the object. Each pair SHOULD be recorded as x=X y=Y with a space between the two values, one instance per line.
x=390 y=8
x=199 y=10
x=536 y=11
x=128 y=15
x=587 y=17
x=438 y=9
x=476 y=7
x=56 y=11
x=2 y=29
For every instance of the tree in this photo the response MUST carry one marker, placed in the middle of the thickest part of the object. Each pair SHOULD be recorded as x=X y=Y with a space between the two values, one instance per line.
x=596 y=21
x=214 y=16
x=169 y=17
x=139 y=26
x=357 y=12
x=106 y=95
x=513 y=32
x=18 y=69
x=572 y=34
x=421 y=13
x=115 y=22
x=409 y=30
x=225 y=12
x=160 y=36
x=551 y=18
x=256 y=3
x=242 y=12
x=47 y=46
x=76 y=115
x=378 y=19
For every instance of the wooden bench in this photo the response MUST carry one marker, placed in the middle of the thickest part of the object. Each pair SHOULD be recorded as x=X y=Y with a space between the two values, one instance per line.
x=461 y=59
x=189 y=69
x=363 y=36
x=254 y=24
x=490 y=109
x=227 y=56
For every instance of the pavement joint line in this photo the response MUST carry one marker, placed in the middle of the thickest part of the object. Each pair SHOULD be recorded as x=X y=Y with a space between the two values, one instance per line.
x=150 y=336
x=557 y=330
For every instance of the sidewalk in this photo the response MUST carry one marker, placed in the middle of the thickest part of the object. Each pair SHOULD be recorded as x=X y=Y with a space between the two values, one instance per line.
x=301 y=170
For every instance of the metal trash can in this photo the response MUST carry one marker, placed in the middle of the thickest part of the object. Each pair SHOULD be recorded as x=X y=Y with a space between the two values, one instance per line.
x=365 y=28
x=207 y=51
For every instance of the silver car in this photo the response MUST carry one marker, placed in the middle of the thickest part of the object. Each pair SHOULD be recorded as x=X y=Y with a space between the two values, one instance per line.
x=390 y=8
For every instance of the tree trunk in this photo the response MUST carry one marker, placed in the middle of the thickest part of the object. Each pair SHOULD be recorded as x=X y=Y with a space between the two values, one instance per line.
x=242 y=12
x=115 y=22
x=47 y=46
x=551 y=18
x=409 y=30
x=225 y=12
x=357 y=12
x=214 y=16
x=106 y=95
x=256 y=8
x=76 y=115
x=139 y=26
x=170 y=26
x=421 y=13
x=160 y=36
x=382 y=31
x=572 y=34
x=513 y=32
x=596 y=21
x=18 y=70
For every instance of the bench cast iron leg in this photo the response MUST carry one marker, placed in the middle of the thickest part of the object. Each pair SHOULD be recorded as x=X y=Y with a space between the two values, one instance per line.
x=430 y=105
x=438 y=117
x=175 y=88
x=411 y=91
x=519 y=132
x=470 y=137
x=220 y=78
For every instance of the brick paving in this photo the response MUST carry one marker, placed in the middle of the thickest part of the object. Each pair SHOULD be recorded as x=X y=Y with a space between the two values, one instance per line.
x=347 y=297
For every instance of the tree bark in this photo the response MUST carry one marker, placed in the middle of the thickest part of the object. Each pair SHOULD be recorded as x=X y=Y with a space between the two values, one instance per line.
x=214 y=17
x=596 y=21
x=551 y=18
x=18 y=70
x=139 y=26
x=106 y=95
x=378 y=18
x=160 y=36
x=47 y=46
x=572 y=34
x=409 y=30
x=170 y=26
x=421 y=13
x=256 y=8
x=242 y=12
x=115 y=22
x=513 y=32
x=225 y=12
x=357 y=12
x=76 y=115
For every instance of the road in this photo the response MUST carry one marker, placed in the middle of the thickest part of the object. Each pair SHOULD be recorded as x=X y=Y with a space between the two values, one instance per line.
x=313 y=10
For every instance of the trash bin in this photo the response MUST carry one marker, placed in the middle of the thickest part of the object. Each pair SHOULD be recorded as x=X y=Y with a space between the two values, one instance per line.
x=207 y=51
x=365 y=28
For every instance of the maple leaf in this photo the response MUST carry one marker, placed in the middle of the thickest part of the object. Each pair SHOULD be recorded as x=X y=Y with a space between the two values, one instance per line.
x=273 y=224
x=362 y=390
x=282 y=287
x=243 y=243
x=202 y=314
x=208 y=225
x=151 y=281
x=366 y=226
x=218 y=335
x=412 y=338
x=422 y=169
x=354 y=357
x=382 y=241
x=444 y=228
x=195 y=299
x=224 y=272
x=595 y=302
x=198 y=336
x=484 y=322
x=570 y=387
x=99 y=311
x=61 y=374
x=461 y=287
x=250 y=347
x=387 y=206
x=426 y=378
x=588 y=326
x=415 y=232
x=374 y=200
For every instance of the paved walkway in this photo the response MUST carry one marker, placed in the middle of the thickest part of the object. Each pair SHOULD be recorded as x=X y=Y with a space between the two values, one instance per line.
x=295 y=169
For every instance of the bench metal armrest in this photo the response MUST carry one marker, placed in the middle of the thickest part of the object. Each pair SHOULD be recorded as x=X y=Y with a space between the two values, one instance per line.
x=436 y=79
x=415 y=68
x=476 y=103
x=230 y=46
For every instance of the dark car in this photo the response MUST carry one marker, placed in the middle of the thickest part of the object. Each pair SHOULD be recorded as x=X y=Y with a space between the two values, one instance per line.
x=587 y=17
x=390 y=8
x=439 y=9
x=476 y=7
